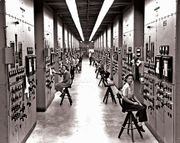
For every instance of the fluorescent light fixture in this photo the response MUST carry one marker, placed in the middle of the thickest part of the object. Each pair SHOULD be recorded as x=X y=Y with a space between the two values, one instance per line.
x=104 y=9
x=74 y=14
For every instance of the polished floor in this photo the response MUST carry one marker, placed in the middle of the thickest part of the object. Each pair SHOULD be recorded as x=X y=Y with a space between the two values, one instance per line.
x=88 y=120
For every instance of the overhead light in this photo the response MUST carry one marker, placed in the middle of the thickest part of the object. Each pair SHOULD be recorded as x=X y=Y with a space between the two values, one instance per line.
x=104 y=9
x=74 y=14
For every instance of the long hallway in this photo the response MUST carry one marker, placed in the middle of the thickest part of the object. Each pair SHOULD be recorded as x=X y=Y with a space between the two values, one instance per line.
x=88 y=120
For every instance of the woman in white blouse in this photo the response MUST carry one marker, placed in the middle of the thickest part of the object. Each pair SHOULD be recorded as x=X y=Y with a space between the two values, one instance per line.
x=131 y=103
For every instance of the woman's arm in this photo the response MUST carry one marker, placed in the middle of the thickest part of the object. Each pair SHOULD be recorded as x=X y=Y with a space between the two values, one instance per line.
x=129 y=101
x=137 y=100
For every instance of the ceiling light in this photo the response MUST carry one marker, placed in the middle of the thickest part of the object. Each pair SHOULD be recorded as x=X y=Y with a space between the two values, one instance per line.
x=104 y=9
x=74 y=14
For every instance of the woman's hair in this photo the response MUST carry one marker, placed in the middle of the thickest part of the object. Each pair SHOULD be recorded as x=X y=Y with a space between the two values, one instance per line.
x=130 y=74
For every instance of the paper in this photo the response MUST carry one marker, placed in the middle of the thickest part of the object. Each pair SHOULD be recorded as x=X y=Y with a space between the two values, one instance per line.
x=50 y=71
x=165 y=69
x=27 y=87
x=133 y=61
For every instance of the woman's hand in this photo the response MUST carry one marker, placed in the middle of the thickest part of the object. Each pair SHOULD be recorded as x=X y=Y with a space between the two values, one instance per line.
x=135 y=103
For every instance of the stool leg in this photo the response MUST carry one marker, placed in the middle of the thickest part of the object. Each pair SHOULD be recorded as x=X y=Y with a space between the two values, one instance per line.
x=69 y=97
x=103 y=82
x=97 y=74
x=131 y=124
x=110 y=90
x=104 y=98
x=123 y=126
x=136 y=124
x=114 y=99
x=112 y=96
x=107 y=95
x=100 y=82
x=96 y=70
x=62 y=99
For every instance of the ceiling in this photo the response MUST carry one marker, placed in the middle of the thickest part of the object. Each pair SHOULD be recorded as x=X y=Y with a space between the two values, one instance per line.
x=88 y=11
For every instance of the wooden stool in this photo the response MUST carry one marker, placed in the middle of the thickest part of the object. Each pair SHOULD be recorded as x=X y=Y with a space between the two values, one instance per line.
x=101 y=80
x=66 y=92
x=104 y=77
x=130 y=120
x=109 y=90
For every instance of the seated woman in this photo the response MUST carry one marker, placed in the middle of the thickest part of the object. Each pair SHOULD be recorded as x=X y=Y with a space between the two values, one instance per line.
x=66 y=79
x=130 y=101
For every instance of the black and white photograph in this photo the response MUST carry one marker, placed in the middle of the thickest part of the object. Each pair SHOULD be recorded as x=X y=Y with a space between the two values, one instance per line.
x=89 y=71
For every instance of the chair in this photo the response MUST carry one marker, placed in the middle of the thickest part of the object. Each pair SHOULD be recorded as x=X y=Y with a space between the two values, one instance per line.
x=130 y=120
x=66 y=92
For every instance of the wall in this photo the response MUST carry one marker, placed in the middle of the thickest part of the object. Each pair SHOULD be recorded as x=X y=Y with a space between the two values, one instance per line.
x=128 y=41
x=49 y=59
x=20 y=73
x=159 y=48
x=44 y=38
x=109 y=50
x=60 y=34
x=177 y=77
x=116 y=51
x=133 y=41
x=128 y=27
x=3 y=77
x=65 y=37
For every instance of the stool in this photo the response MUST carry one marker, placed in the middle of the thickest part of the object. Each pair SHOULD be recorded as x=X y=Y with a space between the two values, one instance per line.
x=109 y=90
x=130 y=120
x=97 y=73
x=104 y=77
x=66 y=92
x=101 y=80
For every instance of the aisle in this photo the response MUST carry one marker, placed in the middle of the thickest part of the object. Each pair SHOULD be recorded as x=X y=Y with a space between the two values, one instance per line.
x=88 y=120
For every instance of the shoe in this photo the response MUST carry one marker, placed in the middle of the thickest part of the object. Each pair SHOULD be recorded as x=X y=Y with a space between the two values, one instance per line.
x=141 y=129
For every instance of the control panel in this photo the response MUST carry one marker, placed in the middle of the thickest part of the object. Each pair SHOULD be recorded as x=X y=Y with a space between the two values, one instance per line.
x=149 y=97
x=21 y=71
x=114 y=61
x=126 y=61
x=159 y=53
x=108 y=60
x=49 y=76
